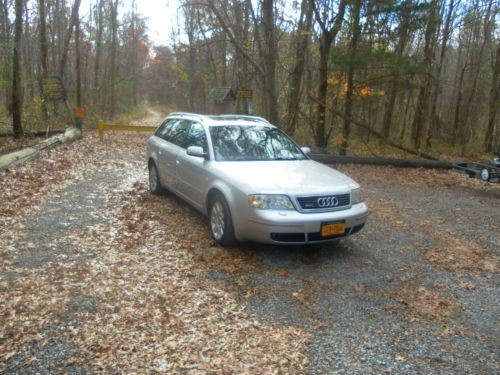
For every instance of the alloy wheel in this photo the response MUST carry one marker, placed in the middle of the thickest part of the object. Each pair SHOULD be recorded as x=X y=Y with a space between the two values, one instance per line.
x=217 y=220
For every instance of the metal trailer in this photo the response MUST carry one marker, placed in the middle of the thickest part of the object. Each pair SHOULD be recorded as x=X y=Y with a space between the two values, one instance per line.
x=485 y=172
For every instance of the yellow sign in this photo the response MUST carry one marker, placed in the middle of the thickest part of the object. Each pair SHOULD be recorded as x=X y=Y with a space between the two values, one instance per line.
x=247 y=94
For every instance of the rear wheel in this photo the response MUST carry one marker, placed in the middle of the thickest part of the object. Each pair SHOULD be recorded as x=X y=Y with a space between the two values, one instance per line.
x=154 y=180
x=220 y=222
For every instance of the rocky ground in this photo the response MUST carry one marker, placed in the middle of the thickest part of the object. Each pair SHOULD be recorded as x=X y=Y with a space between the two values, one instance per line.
x=98 y=275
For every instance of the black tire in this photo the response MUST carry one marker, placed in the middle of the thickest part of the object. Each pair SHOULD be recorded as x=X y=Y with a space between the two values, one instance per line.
x=222 y=232
x=154 y=180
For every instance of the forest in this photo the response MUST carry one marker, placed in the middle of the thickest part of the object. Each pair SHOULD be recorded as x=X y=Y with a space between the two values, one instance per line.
x=420 y=76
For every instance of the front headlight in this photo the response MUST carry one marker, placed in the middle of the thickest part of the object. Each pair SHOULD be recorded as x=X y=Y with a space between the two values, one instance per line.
x=356 y=196
x=270 y=202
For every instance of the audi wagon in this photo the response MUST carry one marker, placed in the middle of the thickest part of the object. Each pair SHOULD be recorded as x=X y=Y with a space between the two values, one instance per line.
x=252 y=181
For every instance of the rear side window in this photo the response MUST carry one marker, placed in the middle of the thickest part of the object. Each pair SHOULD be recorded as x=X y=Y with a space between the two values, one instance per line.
x=197 y=137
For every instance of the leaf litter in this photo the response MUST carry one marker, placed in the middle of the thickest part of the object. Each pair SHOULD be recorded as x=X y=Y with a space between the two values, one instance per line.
x=145 y=269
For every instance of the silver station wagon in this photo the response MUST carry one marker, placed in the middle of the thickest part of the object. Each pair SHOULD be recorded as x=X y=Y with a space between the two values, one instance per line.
x=252 y=181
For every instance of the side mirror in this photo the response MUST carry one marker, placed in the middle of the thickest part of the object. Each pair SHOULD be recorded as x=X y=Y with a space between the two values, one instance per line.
x=196 y=151
x=306 y=150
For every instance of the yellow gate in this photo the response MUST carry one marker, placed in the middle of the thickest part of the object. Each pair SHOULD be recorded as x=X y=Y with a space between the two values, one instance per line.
x=103 y=127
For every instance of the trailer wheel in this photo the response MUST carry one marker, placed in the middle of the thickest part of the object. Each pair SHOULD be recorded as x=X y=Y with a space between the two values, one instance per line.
x=485 y=174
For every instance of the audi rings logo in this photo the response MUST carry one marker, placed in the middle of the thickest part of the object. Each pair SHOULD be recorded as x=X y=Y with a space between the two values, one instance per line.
x=325 y=202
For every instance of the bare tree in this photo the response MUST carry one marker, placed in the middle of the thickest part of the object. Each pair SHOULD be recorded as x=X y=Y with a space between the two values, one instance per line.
x=44 y=64
x=114 y=43
x=494 y=103
x=330 y=24
x=422 y=106
x=355 y=34
x=297 y=75
x=69 y=34
x=17 y=91
x=99 y=19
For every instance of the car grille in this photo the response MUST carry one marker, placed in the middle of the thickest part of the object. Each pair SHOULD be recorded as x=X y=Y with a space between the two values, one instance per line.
x=311 y=203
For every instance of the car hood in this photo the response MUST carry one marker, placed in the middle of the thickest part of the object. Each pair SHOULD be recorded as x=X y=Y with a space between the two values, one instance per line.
x=295 y=177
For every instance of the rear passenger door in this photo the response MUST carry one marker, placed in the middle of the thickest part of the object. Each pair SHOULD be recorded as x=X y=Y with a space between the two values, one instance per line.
x=191 y=171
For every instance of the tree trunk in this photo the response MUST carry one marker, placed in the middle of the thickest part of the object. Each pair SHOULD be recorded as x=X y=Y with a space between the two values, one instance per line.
x=72 y=22
x=434 y=120
x=17 y=91
x=78 y=65
x=44 y=64
x=458 y=104
x=114 y=31
x=494 y=103
x=396 y=81
x=296 y=84
x=422 y=107
x=98 y=52
x=6 y=59
x=326 y=40
x=270 y=57
x=135 y=47
x=465 y=138
x=324 y=54
x=190 y=29
x=27 y=52
x=346 y=131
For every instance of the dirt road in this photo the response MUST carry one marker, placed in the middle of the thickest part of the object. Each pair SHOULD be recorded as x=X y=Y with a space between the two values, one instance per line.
x=96 y=274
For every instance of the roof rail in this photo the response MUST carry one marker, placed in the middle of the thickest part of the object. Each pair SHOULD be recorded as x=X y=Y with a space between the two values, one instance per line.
x=239 y=117
x=186 y=114
x=220 y=117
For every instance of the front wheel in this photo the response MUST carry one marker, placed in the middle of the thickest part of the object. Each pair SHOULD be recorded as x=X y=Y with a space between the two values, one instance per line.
x=220 y=222
x=154 y=180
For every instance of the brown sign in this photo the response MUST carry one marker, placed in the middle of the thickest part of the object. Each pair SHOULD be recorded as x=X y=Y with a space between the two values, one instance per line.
x=53 y=89
x=79 y=112
x=244 y=94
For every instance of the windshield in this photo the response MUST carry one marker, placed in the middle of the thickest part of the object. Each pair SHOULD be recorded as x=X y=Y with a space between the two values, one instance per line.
x=251 y=143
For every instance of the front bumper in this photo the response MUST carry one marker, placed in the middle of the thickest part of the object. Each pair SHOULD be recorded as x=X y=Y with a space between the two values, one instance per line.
x=293 y=227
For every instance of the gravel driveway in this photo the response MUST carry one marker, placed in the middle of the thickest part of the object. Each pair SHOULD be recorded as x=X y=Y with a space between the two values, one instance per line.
x=377 y=302
x=92 y=275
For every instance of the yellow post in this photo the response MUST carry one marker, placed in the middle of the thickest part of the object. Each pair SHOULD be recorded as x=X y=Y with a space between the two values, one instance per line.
x=101 y=130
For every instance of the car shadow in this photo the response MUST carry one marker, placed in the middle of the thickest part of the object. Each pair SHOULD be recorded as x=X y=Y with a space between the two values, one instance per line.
x=299 y=255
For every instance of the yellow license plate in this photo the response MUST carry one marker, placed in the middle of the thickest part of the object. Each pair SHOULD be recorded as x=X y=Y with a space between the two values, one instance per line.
x=332 y=229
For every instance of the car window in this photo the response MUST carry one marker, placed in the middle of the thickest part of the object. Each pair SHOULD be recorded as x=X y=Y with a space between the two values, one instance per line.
x=252 y=143
x=197 y=137
x=178 y=132
x=164 y=128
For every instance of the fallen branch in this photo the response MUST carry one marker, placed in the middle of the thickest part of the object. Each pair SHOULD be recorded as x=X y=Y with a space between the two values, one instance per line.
x=402 y=163
x=30 y=153
x=363 y=125
x=35 y=134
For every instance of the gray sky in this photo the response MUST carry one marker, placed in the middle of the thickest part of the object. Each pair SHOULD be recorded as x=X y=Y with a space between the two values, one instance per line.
x=161 y=14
